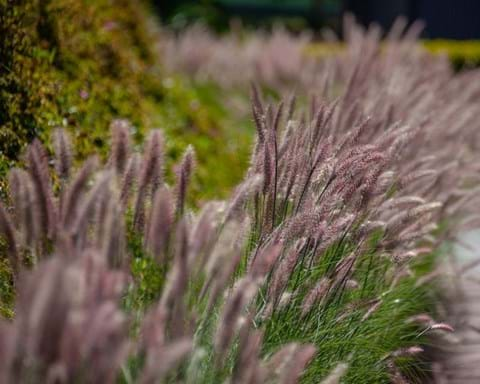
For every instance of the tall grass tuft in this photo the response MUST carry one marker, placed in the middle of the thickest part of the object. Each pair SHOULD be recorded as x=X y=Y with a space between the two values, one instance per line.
x=307 y=273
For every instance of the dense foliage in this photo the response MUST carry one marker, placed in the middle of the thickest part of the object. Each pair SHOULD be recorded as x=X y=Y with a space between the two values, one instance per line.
x=321 y=258
x=319 y=266
x=70 y=63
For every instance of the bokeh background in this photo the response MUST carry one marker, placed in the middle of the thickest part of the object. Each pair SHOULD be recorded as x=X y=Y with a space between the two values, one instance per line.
x=446 y=19
x=186 y=68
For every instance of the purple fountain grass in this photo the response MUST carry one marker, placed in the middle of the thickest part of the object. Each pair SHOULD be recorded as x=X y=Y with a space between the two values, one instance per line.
x=21 y=190
x=183 y=178
x=160 y=224
x=269 y=58
x=370 y=171
x=240 y=297
x=150 y=176
x=120 y=145
x=38 y=169
x=128 y=179
x=63 y=151
x=68 y=325
x=70 y=197
x=300 y=355
x=335 y=376
x=7 y=230
x=247 y=367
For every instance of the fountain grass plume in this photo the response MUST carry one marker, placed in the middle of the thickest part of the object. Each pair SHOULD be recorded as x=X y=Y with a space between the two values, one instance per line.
x=308 y=272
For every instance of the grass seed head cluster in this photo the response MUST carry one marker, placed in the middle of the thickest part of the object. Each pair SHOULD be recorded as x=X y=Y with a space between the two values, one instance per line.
x=307 y=271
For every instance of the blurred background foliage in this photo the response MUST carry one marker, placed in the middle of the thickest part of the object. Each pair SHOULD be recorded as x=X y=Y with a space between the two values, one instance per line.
x=81 y=64
x=450 y=27
x=295 y=14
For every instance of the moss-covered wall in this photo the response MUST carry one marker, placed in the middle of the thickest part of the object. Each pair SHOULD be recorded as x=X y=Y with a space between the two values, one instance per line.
x=70 y=63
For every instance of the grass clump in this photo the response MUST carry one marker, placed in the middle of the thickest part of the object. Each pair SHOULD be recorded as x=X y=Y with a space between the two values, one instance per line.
x=317 y=267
